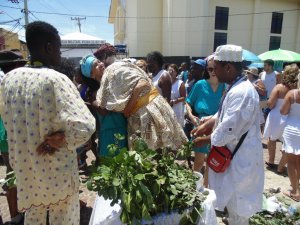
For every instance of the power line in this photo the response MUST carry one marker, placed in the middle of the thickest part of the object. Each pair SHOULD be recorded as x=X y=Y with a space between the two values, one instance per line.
x=10 y=21
x=8 y=34
x=8 y=15
x=153 y=17
x=34 y=15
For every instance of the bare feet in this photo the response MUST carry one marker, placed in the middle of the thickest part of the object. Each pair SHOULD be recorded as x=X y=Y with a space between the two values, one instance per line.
x=292 y=196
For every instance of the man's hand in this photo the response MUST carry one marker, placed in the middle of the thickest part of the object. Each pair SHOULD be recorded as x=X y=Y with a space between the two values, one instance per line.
x=204 y=129
x=201 y=141
x=44 y=148
x=56 y=139
x=195 y=121
x=52 y=143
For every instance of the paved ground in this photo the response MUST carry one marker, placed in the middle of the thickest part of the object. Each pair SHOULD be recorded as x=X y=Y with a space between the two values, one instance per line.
x=272 y=180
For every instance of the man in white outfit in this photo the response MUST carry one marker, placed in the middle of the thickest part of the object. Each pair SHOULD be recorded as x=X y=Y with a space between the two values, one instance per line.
x=240 y=187
x=269 y=76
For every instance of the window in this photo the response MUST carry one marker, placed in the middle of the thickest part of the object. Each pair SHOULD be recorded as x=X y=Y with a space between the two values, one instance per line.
x=221 y=18
x=274 y=42
x=220 y=39
x=276 y=25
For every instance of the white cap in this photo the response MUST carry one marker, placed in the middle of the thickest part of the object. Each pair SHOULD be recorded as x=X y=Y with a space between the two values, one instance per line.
x=229 y=53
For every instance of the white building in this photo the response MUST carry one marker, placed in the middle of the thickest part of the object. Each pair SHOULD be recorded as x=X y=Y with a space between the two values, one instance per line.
x=196 y=27
x=77 y=45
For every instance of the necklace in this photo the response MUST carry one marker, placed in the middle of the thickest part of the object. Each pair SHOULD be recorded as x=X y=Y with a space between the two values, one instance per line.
x=35 y=64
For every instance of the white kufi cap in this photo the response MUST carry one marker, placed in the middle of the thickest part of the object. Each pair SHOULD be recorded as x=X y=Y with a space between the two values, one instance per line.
x=229 y=53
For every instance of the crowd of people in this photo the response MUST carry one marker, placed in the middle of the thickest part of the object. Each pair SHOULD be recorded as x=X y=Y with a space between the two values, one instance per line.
x=52 y=116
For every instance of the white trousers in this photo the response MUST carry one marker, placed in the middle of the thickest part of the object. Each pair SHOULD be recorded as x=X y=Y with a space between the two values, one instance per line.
x=233 y=217
x=66 y=212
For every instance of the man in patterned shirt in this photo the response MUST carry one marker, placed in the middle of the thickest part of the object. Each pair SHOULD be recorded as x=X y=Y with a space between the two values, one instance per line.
x=45 y=120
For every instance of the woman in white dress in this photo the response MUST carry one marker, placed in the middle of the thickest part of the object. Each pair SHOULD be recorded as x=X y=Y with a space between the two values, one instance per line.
x=275 y=122
x=291 y=139
x=178 y=94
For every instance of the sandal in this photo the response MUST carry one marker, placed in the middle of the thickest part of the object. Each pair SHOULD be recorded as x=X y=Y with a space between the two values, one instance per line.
x=271 y=166
x=282 y=173
x=292 y=196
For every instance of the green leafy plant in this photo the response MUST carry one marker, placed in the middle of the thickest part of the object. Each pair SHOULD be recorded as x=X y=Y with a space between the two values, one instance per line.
x=146 y=183
x=276 y=218
x=10 y=180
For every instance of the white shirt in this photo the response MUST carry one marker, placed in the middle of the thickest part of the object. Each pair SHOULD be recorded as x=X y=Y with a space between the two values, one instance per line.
x=269 y=81
x=244 y=178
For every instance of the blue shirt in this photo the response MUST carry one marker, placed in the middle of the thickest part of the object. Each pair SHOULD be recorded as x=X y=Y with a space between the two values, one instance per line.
x=203 y=99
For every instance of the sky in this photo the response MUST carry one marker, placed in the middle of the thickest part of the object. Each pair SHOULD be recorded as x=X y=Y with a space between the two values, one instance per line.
x=95 y=11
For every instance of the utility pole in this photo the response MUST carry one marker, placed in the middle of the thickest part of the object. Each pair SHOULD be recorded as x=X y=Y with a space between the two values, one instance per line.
x=26 y=13
x=78 y=21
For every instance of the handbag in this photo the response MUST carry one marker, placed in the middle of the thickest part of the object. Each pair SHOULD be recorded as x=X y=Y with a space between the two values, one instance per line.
x=219 y=158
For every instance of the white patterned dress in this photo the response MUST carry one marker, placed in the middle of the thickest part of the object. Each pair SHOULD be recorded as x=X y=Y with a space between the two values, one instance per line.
x=36 y=102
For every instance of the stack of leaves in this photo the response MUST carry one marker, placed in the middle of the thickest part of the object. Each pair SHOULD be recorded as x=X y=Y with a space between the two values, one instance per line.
x=146 y=183
x=276 y=218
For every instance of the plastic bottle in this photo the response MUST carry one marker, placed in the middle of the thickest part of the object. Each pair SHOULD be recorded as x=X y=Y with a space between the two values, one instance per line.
x=293 y=208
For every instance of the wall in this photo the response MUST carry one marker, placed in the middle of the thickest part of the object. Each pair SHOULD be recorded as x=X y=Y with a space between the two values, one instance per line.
x=11 y=41
x=143 y=32
x=186 y=27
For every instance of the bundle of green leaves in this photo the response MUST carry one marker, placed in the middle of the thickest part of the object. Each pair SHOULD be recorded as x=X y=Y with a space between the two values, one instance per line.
x=276 y=218
x=10 y=180
x=146 y=183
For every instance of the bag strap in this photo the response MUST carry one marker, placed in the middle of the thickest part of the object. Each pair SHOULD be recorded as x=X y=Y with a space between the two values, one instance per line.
x=239 y=144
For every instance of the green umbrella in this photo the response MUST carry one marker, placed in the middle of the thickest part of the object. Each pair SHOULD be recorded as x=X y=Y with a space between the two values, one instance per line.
x=281 y=55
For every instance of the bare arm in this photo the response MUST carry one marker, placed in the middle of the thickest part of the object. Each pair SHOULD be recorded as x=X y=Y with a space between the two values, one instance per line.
x=278 y=78
x=182 y=91
x=165 y=83
x=273 y=98
x=260 y=87
x=141 y=85
x=203 y=132
x=193 y=118
x=95 y=105
x=182 y=97
x=288 y=101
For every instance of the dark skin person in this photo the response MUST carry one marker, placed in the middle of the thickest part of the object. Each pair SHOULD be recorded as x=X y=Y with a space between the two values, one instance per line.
x=50 y=56
x=48 y=53
x=226 y=73
x=197 y=71
x=165 y=82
